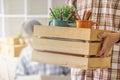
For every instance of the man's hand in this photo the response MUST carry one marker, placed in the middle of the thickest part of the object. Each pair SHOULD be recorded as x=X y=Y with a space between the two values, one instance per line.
x=109 y=40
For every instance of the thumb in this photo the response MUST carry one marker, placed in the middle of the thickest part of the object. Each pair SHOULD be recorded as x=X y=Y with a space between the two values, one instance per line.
x=102 y=35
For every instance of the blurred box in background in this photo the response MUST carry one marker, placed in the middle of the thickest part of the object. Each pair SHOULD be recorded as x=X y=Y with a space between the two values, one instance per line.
x=12 y=46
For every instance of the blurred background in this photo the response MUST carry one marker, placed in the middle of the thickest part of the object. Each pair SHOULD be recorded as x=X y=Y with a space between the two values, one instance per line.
x=14 y=12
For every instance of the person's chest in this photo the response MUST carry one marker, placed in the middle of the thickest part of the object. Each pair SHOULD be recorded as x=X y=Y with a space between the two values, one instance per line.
x=103 y=12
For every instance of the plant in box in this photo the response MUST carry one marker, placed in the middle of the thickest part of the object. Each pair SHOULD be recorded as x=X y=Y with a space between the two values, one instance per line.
x=59 y=16
x=20 y=39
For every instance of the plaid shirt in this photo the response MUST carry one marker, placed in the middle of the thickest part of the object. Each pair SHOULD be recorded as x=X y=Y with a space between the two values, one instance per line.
x=28 y=67
x=107 y=13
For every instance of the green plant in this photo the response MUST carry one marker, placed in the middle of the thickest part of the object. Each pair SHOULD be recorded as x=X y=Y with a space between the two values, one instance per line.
x=18 y=36
x=66 y=10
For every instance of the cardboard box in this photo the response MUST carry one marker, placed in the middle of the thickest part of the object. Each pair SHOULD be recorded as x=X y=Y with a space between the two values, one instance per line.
x=44 y=77
x=12 y=46
x=12 y=50
x=72 y=47
x=13 y=41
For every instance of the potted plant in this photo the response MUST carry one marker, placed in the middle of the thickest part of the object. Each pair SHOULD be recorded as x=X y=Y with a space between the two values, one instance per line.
x=66 y=11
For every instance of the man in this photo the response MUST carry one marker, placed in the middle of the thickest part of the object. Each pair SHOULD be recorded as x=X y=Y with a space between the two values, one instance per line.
x=107 y=13
x=28 y=67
